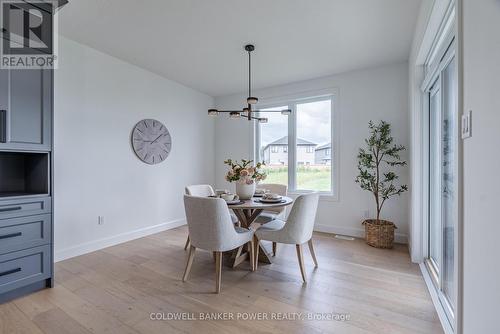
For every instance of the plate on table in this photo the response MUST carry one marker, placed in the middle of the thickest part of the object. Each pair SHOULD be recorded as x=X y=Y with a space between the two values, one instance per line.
x=234 y=202
x=271 y=201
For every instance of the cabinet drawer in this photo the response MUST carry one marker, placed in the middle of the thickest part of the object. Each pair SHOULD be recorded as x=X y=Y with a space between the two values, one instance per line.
x=24 y=207
x=24 y=232
x=25 y=267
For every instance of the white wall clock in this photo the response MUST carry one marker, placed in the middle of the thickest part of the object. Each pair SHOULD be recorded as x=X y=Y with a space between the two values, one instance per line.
x=151 y=141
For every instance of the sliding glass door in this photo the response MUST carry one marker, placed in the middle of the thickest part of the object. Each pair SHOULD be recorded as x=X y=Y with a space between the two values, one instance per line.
x=443 y=181
x=449 y=179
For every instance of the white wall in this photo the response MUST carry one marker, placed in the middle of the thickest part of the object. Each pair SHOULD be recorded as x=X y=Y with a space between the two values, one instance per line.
x=372 y=94
x=481 y=84
x=98 y=100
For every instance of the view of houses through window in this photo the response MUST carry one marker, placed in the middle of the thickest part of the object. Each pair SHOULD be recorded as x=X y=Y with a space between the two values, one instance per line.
x=275 y=156
x=312 y=168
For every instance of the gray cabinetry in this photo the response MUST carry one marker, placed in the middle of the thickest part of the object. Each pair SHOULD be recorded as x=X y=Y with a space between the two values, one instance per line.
x=20 y=207
x=26 y=246
x=26 y=233
x=26 y=178
x=22 y=268
x=26 y=109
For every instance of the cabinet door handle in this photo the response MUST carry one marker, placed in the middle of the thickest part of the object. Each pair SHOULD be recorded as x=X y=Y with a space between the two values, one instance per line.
x=3 y=126
x=12 y=271
x=14 y=208
x=12 y=235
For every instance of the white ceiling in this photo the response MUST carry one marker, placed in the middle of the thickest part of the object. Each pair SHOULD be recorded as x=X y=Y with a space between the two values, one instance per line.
x=199 y=43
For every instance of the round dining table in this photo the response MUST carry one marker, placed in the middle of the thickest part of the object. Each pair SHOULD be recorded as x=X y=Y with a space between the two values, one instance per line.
x=247 y=212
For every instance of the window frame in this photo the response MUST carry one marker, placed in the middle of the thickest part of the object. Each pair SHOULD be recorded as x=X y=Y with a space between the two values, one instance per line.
x=292 y=101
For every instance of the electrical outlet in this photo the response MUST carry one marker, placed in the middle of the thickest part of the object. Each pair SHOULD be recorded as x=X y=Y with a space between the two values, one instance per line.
x=100 y=220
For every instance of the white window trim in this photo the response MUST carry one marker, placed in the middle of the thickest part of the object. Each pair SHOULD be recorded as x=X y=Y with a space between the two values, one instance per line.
x=291 y=101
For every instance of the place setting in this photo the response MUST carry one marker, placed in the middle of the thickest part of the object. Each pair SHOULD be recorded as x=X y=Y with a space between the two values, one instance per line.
x=231 y=199
x=267 y=197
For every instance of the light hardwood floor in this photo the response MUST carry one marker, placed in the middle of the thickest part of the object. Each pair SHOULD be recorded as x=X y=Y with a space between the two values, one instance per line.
x=115 y=290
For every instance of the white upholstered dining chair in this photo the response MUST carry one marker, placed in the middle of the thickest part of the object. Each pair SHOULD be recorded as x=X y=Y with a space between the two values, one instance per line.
x=297 y=230
x=203 y=190
x=211 y=228
x=271 y=214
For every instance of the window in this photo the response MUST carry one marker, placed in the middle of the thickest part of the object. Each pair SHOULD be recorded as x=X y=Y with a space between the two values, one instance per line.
x=314 y=125
x=275 y=131
x=309 y=127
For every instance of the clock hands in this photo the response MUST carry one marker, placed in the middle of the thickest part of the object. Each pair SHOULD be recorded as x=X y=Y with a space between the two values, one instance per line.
x=156 y=139
x=149 y=141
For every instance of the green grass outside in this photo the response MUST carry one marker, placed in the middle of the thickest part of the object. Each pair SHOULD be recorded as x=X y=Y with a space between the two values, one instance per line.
x=308 y=178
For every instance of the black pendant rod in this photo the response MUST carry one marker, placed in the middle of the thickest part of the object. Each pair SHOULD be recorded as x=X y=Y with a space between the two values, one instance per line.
x=249 y=48
x=249 y=83
x=249 y=74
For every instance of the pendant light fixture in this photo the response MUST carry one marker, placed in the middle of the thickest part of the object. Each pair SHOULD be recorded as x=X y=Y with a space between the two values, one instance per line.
x=248 y=111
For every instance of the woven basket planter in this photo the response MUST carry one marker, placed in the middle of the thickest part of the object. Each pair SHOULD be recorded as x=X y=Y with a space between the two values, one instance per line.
x=379 y=234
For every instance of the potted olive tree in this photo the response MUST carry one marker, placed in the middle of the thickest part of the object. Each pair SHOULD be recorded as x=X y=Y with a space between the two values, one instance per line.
x=376 y=164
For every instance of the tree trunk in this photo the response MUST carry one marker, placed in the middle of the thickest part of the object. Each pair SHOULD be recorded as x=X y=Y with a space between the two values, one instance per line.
x=377 y=180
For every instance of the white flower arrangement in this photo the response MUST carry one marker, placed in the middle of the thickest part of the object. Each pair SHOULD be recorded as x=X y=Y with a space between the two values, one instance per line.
x=245 y=172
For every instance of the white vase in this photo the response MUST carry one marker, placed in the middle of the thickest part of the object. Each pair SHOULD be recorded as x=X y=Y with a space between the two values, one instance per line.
x=245 y=191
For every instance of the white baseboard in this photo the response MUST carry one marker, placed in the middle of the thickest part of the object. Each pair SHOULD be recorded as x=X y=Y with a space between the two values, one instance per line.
x=95 y=245
x=399 y=238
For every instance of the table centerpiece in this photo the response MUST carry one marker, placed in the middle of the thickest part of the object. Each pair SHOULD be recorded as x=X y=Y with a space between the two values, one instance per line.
x=246 y=176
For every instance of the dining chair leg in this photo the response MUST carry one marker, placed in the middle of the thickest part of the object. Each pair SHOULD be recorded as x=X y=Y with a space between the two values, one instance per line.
x=251 y=250
x=214 y=256
x=218 y=271
x=256 y=253
x=275 y=245
x=301 y=262
x=189 y=263
x=311 y=249
x=188 y=243
x=238 y=254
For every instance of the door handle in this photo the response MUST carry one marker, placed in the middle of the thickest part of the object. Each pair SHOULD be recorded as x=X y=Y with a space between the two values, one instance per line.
x=3 y=126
